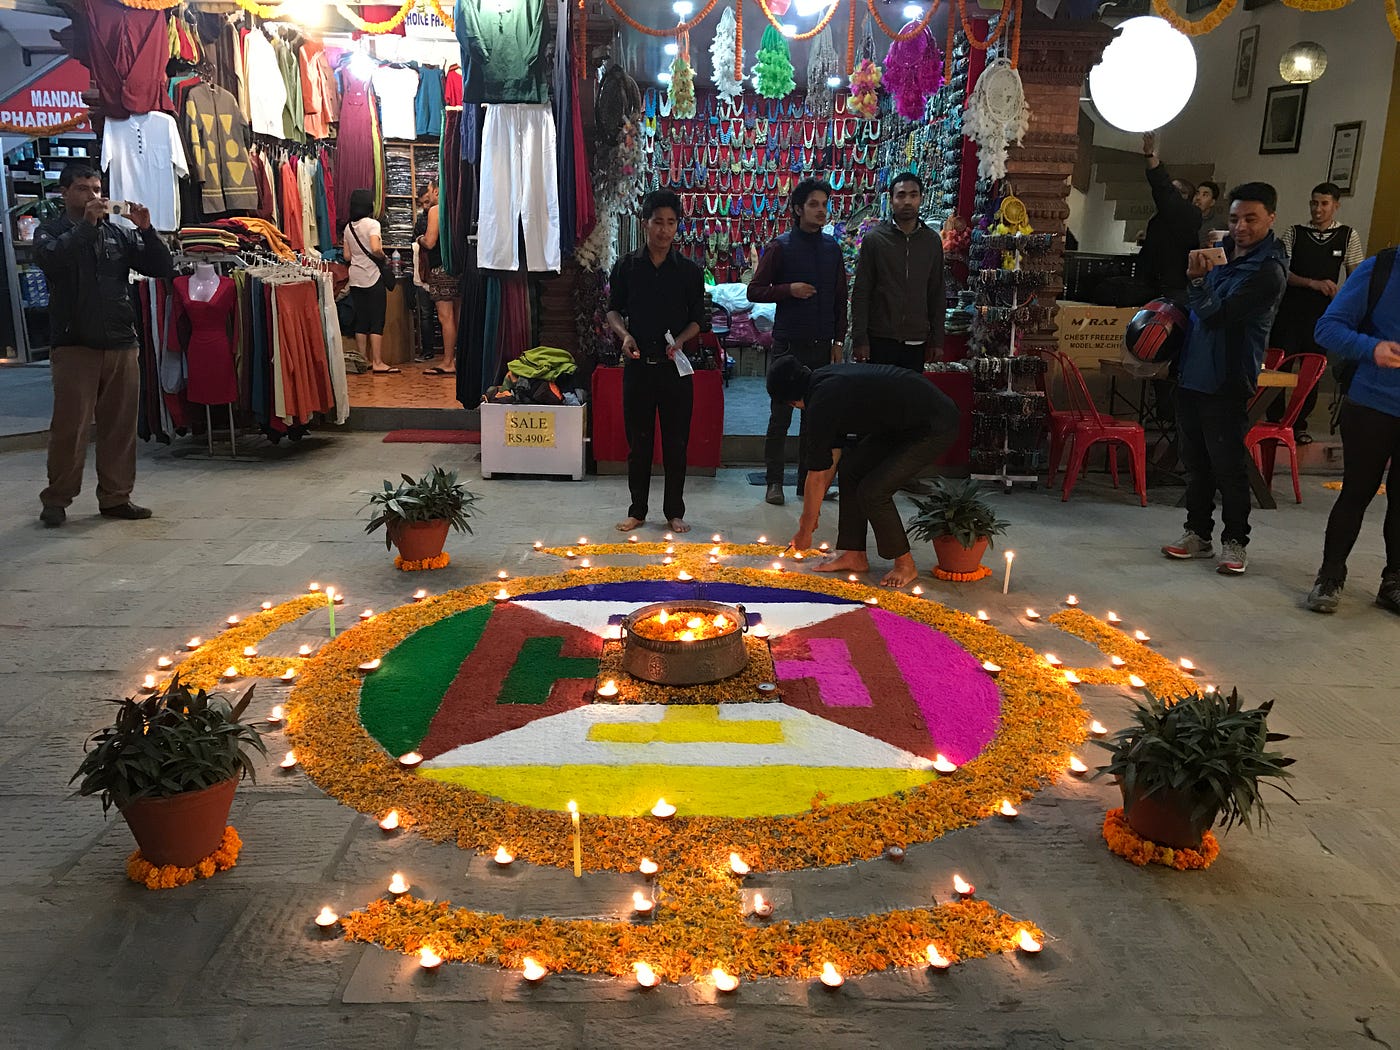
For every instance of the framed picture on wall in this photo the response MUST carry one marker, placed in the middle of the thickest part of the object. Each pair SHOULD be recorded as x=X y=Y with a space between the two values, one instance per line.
x=1346 y=155
x=1246 y=52
x=1283 y=119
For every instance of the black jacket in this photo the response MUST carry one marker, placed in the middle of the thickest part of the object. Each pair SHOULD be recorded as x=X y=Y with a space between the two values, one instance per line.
x=898 y=287
x=87 y=268
x=1172 y=234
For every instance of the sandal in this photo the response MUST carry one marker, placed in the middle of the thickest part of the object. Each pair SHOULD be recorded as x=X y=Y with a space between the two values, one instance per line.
x=439 y=371
x=385 y=371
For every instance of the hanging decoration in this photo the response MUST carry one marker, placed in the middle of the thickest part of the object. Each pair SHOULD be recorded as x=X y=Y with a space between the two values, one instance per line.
x=446 y=19
x=912 y=29
x=149 y=5
x=375 y=28
x=821 y=67
x=1002 y=20
x=772 y=72
x=1197 y=28
x=865 y=79
x=271 y=12
x=10 y=128
x=728 y=70
x=768 y=7
x=683 y=27
x=616 y=171
x=997 y=114
x=681 y=94
x=913 y=73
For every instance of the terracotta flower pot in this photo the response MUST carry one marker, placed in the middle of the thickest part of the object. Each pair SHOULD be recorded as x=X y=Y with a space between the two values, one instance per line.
x=1164 y=817
x=419 y=540
x=954 y=557
x=181 y=829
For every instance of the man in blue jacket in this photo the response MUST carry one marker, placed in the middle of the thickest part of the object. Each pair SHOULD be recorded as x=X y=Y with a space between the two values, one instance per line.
x=1362 y=325
x=1232 y=309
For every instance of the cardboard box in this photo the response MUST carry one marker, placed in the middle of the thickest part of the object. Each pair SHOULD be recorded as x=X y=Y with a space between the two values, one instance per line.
x=1087 y=333
x=533 y=439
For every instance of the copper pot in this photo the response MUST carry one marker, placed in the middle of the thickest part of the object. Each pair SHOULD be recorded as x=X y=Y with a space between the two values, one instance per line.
x=685 y=663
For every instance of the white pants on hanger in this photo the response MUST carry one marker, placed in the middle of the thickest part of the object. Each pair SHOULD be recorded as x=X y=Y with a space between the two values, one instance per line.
x=519 y=188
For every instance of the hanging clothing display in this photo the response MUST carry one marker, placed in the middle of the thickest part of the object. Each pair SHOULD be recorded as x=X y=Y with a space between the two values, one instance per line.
x=216 y=132
x=397 y=90
x=220 y=39
x=210 y=373
x=452 y=86
x=360 y=144
x=291 y=205
x=520 y=189
x=428 y=102
x=293 y=109
x=266 y=103
x=504 y=50
x=563 y=122
x=320 y=97
x=125 y=49
x=143 y=156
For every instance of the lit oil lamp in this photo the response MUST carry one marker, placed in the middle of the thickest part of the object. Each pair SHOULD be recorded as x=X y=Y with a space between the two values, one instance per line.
x=275 y=716
x=1031 y=614
x=419 y=595
x=531 y=970
x=937 y=959
x=669 y=550
x=798 y=556
x=667 y=537
x=762 y=906
x=503 y=857
x=1135 y=681
x=1142 y=636
x=313 y=586
x=1097 y=728
x=714 y=551
x=724 y=982
x=894 y=854
x=1077 y=766
x=428 y=959
x=233 y=621
x=369 y=665
x=585 y=564
x=667 y=560
x=337 y=597
x=304 y=650
x=398 y=885
x=390 y=821
x=1071 y=678
x=410 y=759
x=759 y=631
x=583 y=541
x=502 y=595
x=148 y=684
x=265 y=606
x=570 y=554
x=164 y=663
x=1186 y=665
x=648 y=867
x=663 y=810
x=917 y=590
x=831 y=976
x=983 y=617
x=366 y=614
x=193 y=643
x=608 y=689
x=715 y=538
x=763 y=539
x=250 y=651
x=1117 y=661
x=738 y=865
x=632 y=538
x=777 y=566
x=326 y=917
x=684 y=576
x=1007 y=811
x=1053 y=660
x=1113 y=617
x=942 y=764
x=687 y=636
x=823 y=547
x=642 y=904
x=713 y=560
x=539 y=545
x=1071 y=600
x=289 y=760
x=646 y=976
x=1028 y=944
x=962 y=887
x=230 y=673
x=853 y=578
x=872 y=600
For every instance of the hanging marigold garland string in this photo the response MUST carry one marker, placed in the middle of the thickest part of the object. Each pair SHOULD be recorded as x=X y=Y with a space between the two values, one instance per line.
x=1200 y=28
x=739 y=40
x=70 y=124
x=1317 y=5
x=149 y=5
x=375 y=28
x=584 y=59
x=272 y=12
x=851 y=42
x=825 y=21
x=910 y=34
x=443 y=16
x=1392 y=18
x=982 y=45
x=1016 y=37
x=682 y=27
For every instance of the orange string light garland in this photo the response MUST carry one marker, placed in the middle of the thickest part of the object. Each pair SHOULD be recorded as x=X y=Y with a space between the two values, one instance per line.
x=826 y=21
x=683 y=27
x=739 y=40
x=851 y=42
x=918 y=28
x=1199 y=27
x=982 y=45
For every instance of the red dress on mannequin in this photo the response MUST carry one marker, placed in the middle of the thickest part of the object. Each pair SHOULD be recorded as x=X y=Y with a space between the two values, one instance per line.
x=209 y=364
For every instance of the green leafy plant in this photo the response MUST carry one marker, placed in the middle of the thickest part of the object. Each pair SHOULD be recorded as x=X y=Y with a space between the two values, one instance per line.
x=1205 y=746
x=166 y=744
x=955 y=509
x=436 y=496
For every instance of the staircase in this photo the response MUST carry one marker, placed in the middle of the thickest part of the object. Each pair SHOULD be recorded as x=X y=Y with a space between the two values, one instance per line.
x=1123 y=176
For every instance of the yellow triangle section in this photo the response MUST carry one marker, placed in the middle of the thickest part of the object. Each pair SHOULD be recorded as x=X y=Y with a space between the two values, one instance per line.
x=715 y=791
x=690 y=725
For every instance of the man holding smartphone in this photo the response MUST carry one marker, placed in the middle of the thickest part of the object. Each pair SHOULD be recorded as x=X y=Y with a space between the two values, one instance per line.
x=1234 y=292
x=96 y=375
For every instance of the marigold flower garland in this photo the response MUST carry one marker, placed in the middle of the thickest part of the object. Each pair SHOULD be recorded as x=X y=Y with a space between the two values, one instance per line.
x=1201 y=27
x=1131 y=846
x=822 y=23
x=446 y=19
x=437 y=561
x=682 y=27
x=269 y=11
x=979 y=573
x=375 y=28
x=1392 y=18
x=10 y=128
x=168 y=876
x=149 y=5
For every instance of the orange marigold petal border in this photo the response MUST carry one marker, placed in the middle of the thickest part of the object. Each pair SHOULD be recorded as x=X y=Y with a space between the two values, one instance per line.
x=1132 y=847
x=438 y=561
x=169 y=876
x=979 y=573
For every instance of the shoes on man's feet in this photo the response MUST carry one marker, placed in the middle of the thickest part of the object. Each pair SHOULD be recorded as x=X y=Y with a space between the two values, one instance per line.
x=53 y=517
x=1326 y=593
x=1388 y=597
x=775 y=495
x=917 y=487
x=1302 y=437
x=126 y=511
x=1189 y=546
x=1233 y=559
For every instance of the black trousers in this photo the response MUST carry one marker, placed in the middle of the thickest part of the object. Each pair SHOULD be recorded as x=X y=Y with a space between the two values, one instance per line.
x=873 y=471
x=1210 y=432
x=893 y=352
x=814 y=354
x=649 y=392
x=1370 y=439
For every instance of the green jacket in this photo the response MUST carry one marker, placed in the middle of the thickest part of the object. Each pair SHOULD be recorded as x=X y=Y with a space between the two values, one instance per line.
x=543 y=362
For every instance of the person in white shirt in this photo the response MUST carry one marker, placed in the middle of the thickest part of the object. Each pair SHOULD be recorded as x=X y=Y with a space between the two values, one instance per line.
x=364 y=252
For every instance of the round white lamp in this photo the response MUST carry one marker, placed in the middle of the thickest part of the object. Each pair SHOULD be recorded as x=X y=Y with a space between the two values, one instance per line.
x=1145 y=77
x=1303 y=63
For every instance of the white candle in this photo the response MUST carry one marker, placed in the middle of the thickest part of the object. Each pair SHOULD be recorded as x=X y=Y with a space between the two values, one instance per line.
x=327 y=917
x=1006 y=580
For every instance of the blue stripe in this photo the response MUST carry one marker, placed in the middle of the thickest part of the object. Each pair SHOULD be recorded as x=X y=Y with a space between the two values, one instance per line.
x=642 y=592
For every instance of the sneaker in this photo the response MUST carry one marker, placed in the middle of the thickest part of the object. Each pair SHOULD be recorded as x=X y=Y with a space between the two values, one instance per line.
x=1189 y=546
x=1388 y=597
x=1233 y=559
x=1302 y=437
x=1326 y=594
x=775 y=495
x=53 y=517
x=126 y=511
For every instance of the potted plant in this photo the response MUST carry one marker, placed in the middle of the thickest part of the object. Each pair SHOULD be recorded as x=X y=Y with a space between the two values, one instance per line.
x=417 y=513
x=1189 y=763
x=959 y=522
x=170 y=763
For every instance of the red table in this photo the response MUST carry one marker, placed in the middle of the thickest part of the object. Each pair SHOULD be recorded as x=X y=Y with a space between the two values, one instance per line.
x=706 y=423
x=958 y=386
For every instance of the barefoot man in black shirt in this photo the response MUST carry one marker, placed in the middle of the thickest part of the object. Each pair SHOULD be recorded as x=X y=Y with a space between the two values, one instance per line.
x=901 y=424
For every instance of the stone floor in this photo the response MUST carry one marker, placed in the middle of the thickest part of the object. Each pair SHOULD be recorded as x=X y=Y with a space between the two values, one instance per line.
x=1291 y=940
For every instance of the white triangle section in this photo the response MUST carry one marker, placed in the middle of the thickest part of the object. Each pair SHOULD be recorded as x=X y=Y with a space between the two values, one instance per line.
x=778 y=617
x=803 y=740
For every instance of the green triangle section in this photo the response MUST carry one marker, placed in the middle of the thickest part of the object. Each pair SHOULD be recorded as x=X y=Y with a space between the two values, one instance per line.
x=538 y=667
x=398 y=701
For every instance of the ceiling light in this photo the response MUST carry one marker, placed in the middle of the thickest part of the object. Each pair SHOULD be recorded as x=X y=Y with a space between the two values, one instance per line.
x=789 y=29
x=833 y=82
x=672 y=49
x=1145 y=77
x=808 y=8
x=913 y=12
x=683 y=8
x=663 y=77
x=1303 y=63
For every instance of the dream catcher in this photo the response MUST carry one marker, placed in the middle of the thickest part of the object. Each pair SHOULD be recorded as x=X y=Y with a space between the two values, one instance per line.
x=913 y=72
x=997 y=115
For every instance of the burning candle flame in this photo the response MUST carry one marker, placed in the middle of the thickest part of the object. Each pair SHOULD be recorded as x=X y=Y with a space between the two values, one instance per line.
x=503 y=856
x=289 y=674
x=1135 y=681
x=1027 y=943
x=608 y=688
x=982 y=615
x=738 y=865
x=1007 y=810
x=1077 y=766
x=916 y=591
x=410 y=759
x=663 y=809
x=1186 y=665
x=390 y=821
x=962 y=887
x=419 y=595
x=289 y=760
x=1113 y=617
x=1142 y=636
x=648 y=866
x=831 y=976
x=1031 y=614
x=326 y=917
x=275 y=715
x=1097 y=728
x=398 y=885
x=937 y=959
x=149 y=683
x=265 y=606
x=164 y=663
x=1071 y=678
x=646 y=976
x=943 y=764
x=502 y=595
x=428 y=959
x=761 y=906
x=641 y=903
x=531 y=970
x=695 y=623
x=193 y=643
x=230 y=672
x=1071 y=599
x=304 y=650
x=724 y=982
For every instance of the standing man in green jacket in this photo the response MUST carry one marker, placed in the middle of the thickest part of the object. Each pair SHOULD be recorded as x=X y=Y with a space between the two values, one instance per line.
x=897 y=300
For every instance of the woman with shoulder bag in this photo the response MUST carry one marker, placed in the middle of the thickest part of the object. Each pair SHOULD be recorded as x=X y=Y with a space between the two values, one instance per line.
x=364 y=252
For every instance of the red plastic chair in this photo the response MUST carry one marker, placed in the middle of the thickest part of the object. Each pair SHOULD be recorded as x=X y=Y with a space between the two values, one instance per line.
x=1090 y=427
x=1059 y=420
x=1264 y=438
x=1272 y=358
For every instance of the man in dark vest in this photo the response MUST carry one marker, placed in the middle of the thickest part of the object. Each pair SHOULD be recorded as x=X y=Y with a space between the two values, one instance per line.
x=1320 y=257
x=803 y=272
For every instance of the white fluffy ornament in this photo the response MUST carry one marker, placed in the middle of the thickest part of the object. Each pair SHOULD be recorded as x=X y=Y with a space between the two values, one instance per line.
x=997 y=114
x=722 y=57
